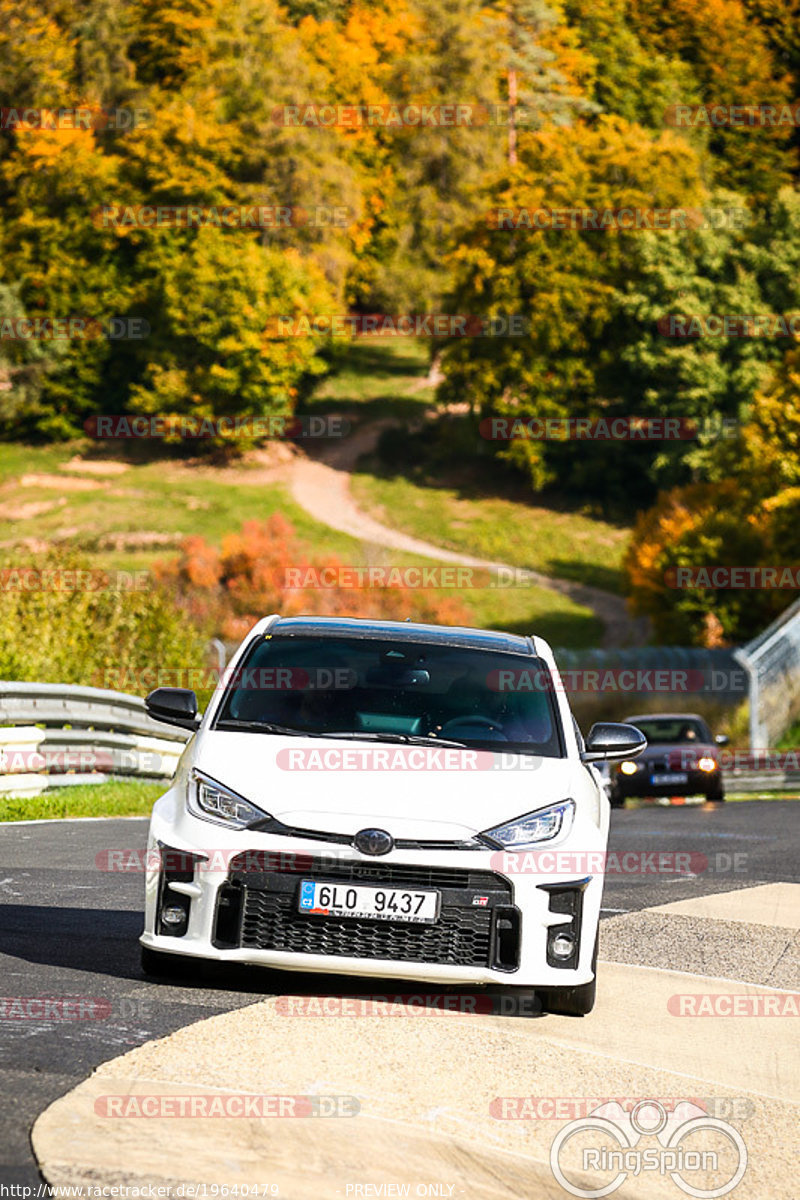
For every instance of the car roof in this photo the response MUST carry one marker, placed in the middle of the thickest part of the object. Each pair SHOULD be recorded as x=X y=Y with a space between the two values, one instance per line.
x=403 y=631
x=667 y=716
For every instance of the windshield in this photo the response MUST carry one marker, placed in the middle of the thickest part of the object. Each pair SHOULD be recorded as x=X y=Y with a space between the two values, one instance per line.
x=673 y=730
x=375 y=689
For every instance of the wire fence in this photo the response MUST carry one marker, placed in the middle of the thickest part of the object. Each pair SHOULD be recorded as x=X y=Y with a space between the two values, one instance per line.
x=772 y=663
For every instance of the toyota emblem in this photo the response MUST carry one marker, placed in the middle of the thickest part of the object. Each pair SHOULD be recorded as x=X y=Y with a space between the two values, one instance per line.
x=373 y=841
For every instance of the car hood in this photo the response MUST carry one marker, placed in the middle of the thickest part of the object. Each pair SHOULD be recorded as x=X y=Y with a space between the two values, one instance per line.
x=677 y=754
x=334 y=786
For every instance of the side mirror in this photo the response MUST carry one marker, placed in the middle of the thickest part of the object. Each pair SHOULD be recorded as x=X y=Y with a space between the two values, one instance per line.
x=722 y=739
x=173 y=706
x=612 y=741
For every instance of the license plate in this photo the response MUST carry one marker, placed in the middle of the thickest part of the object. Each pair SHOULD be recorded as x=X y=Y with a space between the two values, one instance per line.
x=678 y=778
x=371 y=903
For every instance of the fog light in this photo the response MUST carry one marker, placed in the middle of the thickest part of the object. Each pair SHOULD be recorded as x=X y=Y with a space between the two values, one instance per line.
x=563 y=945
x=707 y=764
x=174 y=916
x=628 y=768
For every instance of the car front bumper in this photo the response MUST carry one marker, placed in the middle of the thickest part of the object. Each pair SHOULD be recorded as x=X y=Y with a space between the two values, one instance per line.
x=639 y=785
x=498 y=915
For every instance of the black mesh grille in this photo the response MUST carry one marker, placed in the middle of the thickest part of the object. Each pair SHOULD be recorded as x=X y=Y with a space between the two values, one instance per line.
x=461 y=936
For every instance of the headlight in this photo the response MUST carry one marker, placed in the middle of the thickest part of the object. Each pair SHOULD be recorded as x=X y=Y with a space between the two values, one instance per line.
x=629 y=768
x=539 y=826
x=212 y=802
x=707 y=764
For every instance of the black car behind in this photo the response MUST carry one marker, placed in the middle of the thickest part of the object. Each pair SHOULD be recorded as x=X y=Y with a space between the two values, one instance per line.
x=680 y=760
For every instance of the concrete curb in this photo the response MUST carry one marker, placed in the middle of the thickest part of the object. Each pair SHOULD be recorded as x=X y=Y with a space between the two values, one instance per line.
x=425 y=1084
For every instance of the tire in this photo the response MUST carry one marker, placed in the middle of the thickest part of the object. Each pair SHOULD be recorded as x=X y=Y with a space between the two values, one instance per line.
x=166 y=966
x=716 y=797
x=616 y=800
x=572 y=1001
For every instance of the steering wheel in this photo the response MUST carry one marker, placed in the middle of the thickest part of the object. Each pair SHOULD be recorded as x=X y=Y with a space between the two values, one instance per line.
x=481 y=722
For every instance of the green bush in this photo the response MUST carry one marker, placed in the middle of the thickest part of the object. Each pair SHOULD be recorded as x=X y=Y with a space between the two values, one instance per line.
x=98 y=634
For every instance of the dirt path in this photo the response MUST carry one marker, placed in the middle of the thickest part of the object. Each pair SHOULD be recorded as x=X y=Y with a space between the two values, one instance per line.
x=321 y=486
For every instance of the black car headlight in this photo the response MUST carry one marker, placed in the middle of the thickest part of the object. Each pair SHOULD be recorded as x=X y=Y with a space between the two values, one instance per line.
x=212 y=802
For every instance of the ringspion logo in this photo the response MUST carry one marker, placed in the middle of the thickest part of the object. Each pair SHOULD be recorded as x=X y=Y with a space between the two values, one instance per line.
x=693 y=1148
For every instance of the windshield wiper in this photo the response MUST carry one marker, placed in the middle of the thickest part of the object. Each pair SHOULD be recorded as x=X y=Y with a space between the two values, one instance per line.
x=354 y=735
x=407 y=739
x=261 y=727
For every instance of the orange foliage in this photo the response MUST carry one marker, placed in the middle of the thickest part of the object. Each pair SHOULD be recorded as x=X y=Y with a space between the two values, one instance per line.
x=228 y=590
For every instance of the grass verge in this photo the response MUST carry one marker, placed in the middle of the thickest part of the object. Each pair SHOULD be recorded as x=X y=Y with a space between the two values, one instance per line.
x=562 y=544
x=116 y=798
x=377 y=379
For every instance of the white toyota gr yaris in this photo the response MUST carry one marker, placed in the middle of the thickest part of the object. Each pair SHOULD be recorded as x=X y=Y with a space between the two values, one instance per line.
x=385 y=799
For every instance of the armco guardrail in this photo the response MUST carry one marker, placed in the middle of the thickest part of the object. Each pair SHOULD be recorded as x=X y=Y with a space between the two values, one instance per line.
x=63 y=734
x=742 y=780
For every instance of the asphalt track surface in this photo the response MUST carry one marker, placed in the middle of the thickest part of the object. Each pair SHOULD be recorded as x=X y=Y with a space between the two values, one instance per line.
x=71 y=930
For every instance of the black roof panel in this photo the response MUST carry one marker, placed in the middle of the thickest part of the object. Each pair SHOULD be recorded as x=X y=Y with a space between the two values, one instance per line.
x=402 y=631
